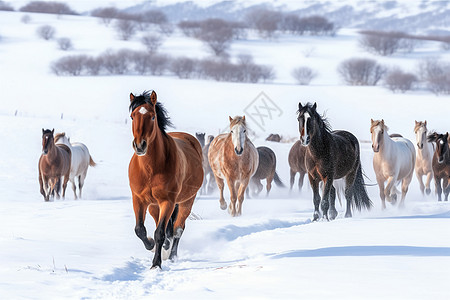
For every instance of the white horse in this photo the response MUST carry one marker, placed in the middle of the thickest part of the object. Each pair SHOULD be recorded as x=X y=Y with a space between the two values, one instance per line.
x=81 y=160
x=393 y=161
x=424 y=157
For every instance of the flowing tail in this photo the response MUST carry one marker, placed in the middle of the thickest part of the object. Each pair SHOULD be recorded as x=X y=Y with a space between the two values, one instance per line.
x=91 y=162
x=278 y=181
x=360 y=197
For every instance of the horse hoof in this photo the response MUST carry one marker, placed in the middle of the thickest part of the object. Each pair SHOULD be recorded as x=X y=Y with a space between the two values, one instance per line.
x=332 y=215
x=166 y=249
x=315 y=217
x=156 y=267
x=150 y=247
x=428 y=191
x=223 y=205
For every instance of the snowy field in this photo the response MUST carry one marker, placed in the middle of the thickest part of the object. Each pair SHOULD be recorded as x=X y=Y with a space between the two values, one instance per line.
x=87 y=249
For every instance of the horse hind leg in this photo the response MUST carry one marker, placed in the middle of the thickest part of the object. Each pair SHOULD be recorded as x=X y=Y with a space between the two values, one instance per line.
x=269 y=184
x=81 y=179
x=166 y=210
x=291 y=179
x=179 y=224
x=168 y=243
x=74 y=188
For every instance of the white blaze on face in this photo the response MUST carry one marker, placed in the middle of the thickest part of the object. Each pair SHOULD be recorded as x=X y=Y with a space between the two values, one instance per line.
x=238 y=137
x=306 y=117
x=143 y=110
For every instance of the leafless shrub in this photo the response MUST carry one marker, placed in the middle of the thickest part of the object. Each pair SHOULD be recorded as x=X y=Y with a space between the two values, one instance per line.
x=69 y=65
x=217 y=34
x=48 y=7
x=397 y=80
x=183 y=67
x=382 y=43
x=5 y=6
x=303 y=75
x=313 y=25
x=265 y=21
x=46 y=32
x=361 y=71
x=106 y=14
x=26 y=19
x=125 y=29
x=152 y=41
x=141 y=60
x=93 y=65
x=159 y=63
x=190 y=28
x=436 y=75
x=64 y=43
x=116 y=62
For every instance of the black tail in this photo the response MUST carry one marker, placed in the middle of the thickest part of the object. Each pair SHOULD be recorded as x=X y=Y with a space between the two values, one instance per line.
x=360 y=197
x=278 y=181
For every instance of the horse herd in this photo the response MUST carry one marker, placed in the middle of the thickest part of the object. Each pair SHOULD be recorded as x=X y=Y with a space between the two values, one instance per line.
x=167 y=170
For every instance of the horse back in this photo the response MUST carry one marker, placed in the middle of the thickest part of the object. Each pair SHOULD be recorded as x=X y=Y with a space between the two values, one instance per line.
x=267 y=162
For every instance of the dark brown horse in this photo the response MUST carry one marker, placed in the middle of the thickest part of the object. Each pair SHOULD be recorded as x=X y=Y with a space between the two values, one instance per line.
x=165 y=174
x=331 y=155
x=297 y=164
x=266 y=170
x=441 y=163
x=54 y=164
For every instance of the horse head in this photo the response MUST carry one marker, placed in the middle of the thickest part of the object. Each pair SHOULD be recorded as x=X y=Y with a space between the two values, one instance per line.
x=377 y=129
x=441 y=141
x=305 y=119
x=47 y=140
x=238 y=131
x=420 y=129
x=149 y=118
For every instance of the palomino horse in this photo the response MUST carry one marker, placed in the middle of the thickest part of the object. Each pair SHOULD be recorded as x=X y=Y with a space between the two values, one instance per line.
x=54 y=164
x=297 y=164
x=424 y=156
x=393 y=161
x=266 y=170
x=233 y=158
x=331 y=155
x=81 y=160
x=208 y=179
x=165 y=174
x=441 y=163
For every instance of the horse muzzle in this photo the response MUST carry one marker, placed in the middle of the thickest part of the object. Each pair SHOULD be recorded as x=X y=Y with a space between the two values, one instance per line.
x=305 y=141
x=238 y=152
x=140 y=149
x=376 y=148
x=420 y=146
x=44 y=152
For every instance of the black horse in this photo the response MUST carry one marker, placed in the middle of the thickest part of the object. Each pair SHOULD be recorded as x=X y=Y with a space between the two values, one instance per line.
x=331 y=155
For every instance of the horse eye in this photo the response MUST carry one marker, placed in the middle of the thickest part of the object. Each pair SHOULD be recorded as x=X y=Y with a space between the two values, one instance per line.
x=231 y=131
x=153 y=118
x=245 y=130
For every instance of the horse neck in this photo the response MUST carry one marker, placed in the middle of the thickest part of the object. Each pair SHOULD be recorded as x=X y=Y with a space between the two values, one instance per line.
x=320 y=138
x=52 y=150
x=387 y=143
x=159 y=149
x=427 y=150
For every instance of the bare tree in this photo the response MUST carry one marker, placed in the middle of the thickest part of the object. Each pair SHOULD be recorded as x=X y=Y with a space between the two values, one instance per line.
x=141 y=61
x=217 y=34
x=436 y=75
x=361 y=71
x=125 y=29
x=69 y=65
x=183 y=67
x=106 y=14
x=5 y=6
x=64 y=43
x=303 y=75
x=116 y=62
x=152 y=41
x=93 y=65
x=397 y=80
x=46 y=32
x=265 y=21
x=158 y=63
x=382 y=43
x=48 y=7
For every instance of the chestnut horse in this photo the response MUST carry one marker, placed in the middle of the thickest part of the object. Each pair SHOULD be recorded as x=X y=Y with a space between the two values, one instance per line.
x=165 y=174
x=54 y=163
x=441 y=163
x=297 y=164
x=393 y=161
x=233 y=158
x=424 y=156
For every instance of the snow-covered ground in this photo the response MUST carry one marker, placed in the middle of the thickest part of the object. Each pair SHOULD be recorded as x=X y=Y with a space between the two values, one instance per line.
x=87 y=248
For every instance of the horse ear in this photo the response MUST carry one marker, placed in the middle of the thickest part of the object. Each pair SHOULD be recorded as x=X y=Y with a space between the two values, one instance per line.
x=243 y=118
x=314 y=106
x=371 y=121
x=131 y=97
x=425 y=123
x=230 y=118
x=300 y=106
x=416 y=122
x=43 y=130
x=53 y=130
x=153 y=97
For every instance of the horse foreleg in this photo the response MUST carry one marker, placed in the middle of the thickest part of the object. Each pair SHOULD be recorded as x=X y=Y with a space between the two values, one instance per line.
x=300 y=181
x=41 y=186
x=420 y=179
x=221 y=185
x=446 y=188
x=325 y=203
x=380 y=182
x=316 y=196
x=291 y=179
x=64 y=186
x=166 y=209
x=233 y=198
x=240 y=196
x=332 y=213
x=405 y=185
x=428 y=182
x=437 y=181
x=184 y=209
x=388 y=191
x=139 y=212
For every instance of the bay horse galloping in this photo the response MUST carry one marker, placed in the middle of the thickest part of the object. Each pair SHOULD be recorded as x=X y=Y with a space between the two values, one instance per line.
x=441 y=163
x=331 y=155
x=297 y=164
x=393 y=162
x=424 y=157
x=54 y=164
x=233 y=158
x=165 y=174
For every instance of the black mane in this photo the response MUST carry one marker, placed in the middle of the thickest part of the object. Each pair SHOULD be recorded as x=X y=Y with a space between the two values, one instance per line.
x=323 y=121
x=161 y=112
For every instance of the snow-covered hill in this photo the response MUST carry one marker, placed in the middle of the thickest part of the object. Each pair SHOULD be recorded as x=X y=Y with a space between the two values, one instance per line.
x=87 y=249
